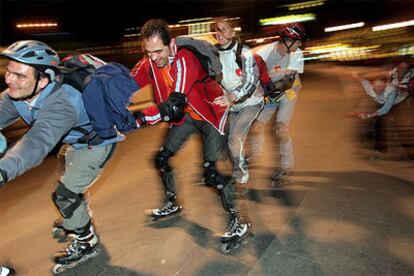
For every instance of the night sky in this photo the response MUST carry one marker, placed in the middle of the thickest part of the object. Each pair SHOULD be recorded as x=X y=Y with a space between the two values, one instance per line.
x=105 y=21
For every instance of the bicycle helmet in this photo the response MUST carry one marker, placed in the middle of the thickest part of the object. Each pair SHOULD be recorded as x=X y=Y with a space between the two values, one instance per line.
x=34 y=53
x=295 y=31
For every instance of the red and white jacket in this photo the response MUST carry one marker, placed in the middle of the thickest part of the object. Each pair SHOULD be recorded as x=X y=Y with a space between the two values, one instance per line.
x=186 y=73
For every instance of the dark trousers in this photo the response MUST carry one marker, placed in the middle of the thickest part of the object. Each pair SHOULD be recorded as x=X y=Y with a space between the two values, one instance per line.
x=214 y=148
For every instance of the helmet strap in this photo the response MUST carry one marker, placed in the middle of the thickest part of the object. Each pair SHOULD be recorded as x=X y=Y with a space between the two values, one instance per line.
x=288 y=47
x=33 y=92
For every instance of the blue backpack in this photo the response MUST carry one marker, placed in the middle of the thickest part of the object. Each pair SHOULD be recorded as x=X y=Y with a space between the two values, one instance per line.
x=106 y=91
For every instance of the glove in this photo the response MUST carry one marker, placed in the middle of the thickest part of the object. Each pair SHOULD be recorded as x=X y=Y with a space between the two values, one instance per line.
x=140 y=119
x=272 y=92
x=178 y=98
x=172 y=110
x=275 y=90
x=269 y=88
x=3 y=144
x=275 y=94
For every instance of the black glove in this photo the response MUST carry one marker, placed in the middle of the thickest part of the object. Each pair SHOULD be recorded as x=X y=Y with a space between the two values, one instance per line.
x=172 y=110
x=285 y=83
x=178 y=98
x=269 y=88
x=275 y=90
x=140 y=118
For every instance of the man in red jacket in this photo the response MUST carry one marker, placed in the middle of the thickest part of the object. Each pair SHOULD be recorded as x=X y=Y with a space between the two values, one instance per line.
x=185 y=94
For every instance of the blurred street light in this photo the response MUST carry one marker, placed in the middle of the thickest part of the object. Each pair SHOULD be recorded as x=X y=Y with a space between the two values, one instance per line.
x=344 y=27
x=304 y=5
x=287 y=19
x=36 y=25
x=393 y=26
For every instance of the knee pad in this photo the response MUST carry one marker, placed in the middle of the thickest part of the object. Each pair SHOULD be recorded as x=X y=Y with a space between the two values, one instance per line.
x=282 y=132
x=161 y=160
x=213 y=178
x=66 y=201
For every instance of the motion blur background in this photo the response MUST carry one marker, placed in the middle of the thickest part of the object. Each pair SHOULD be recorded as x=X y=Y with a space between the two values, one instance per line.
x=356 y=35
x=110 y=29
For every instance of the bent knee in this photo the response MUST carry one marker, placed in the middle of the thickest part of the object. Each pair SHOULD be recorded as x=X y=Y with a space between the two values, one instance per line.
x=282 y=132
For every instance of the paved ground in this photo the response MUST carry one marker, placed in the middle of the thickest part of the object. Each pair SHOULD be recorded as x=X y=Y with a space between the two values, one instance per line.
x=340 y=214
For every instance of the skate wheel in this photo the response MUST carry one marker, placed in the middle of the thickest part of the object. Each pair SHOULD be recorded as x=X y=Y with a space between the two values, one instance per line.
x=225 y=248
x=56 y=231
x=228 y=247
x=277 y=183
x=58 y=268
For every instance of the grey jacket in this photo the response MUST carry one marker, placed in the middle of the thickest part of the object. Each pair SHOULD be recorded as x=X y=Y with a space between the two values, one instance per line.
x=54 y=117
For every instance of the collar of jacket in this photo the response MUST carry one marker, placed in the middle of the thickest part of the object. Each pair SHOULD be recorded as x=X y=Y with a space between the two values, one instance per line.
x=232 y=44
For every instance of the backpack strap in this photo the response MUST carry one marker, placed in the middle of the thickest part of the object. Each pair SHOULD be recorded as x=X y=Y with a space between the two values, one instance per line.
x=58 y=84
x=238 y=55
x=87 y=135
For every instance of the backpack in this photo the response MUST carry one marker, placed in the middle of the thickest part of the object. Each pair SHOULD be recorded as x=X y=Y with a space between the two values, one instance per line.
x=206 y=53
x=261 y=65
x=77 y=69
x=106 y=90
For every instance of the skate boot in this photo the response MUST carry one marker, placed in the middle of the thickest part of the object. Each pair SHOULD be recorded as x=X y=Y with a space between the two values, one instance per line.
x=236 y=235
x=170 y=208
x=280 y=177
x=83 y=246
x=6 y=271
